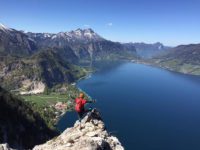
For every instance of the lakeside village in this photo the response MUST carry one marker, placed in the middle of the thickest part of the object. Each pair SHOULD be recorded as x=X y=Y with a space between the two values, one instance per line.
x=52 y=104
x=60 y=108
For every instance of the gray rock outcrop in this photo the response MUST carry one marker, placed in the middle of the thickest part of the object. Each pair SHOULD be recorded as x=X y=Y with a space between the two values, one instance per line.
x=5 y=147
x=90 y=134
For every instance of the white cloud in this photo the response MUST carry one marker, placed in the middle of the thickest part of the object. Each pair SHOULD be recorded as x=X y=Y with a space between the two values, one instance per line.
x=109 y=24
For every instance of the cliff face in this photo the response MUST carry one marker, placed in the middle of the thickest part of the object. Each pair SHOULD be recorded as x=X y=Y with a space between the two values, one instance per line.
x=15 y=42
x=91 y=136
x=20 y=126
x=31 y=75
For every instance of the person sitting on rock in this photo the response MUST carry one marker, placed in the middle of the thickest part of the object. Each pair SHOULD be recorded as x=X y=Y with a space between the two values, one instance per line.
x=80 y=106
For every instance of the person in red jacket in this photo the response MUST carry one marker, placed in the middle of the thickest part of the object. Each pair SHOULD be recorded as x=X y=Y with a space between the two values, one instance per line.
x=80 y=106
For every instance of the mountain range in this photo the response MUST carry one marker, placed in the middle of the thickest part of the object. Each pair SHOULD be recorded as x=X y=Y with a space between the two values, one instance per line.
x=15 y=42
x=81 y=44
x=33 y=61
x=76 y=45
x=183 y=58
x=47 y=59
x=147 y=51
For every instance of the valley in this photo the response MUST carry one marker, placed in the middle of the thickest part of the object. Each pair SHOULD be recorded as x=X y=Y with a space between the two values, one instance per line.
x=99 y=75
x=42 y=69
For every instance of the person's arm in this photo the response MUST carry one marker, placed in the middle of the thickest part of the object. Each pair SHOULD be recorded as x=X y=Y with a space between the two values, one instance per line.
x=92 y=101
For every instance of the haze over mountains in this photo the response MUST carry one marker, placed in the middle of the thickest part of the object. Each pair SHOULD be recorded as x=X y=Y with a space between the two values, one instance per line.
x=145 y=50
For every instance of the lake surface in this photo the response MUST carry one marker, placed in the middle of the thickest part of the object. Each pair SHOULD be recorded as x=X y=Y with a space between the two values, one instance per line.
x=147 y=108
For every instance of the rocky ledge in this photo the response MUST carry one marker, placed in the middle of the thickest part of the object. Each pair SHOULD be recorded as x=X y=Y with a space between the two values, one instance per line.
x=90 y=134
x=5 y=147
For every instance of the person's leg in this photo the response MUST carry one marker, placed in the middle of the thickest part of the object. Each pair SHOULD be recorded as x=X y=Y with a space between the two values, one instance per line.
x=83 y=112
x=80 y=115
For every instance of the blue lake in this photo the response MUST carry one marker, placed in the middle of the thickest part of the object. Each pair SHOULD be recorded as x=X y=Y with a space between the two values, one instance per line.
x=147 y=108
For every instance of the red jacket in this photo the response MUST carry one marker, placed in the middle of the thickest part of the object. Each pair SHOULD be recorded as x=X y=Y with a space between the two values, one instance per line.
x=80 y=102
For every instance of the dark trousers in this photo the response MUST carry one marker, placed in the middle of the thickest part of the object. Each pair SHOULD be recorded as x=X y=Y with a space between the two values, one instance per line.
x=82 y=113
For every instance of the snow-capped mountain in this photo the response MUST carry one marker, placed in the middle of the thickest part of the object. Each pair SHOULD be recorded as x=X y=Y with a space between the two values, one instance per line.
x=85 y=43
x=4 y=28
x=75 y=45
x=83 y=35
x=78 y=35
x=15 y=42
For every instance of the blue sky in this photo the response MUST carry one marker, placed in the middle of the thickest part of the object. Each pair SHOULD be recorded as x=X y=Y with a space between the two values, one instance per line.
x=171 y=22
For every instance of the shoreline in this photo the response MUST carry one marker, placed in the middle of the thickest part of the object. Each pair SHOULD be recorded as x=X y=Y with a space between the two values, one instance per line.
x=60 y=113
x=88 y=75
x=132 y=61
x=163 y=67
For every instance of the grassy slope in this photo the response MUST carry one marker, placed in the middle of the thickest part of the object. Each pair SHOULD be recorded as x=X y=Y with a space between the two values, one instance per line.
x=45 y=100
x=180 y=66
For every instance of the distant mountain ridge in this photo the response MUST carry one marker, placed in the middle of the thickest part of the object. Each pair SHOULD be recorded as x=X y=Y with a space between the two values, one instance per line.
x=84 y=43
x=189 y=53
x=81 y=44
x=78 y=35
x=44 y=59
x=76 y=44
x=145 y=50
x=183 y=58
x=54 y=56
